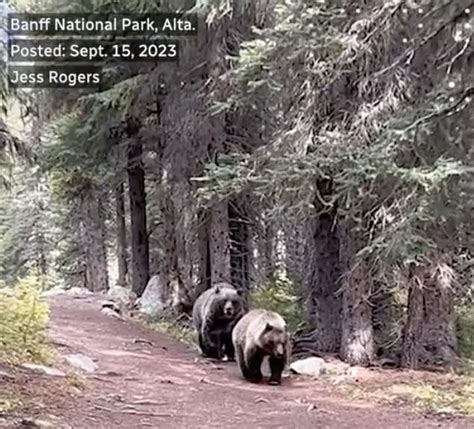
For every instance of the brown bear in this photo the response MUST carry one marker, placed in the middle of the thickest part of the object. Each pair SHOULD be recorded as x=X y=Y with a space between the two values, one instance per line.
x=258 y=334
x=215 y=314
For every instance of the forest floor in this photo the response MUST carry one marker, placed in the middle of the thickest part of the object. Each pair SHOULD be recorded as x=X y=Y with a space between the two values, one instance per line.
x=146 y=379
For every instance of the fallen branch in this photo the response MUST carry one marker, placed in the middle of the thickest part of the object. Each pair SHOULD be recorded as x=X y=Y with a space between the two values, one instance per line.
x=133 y=412
x=147 y=402
x=142 y=341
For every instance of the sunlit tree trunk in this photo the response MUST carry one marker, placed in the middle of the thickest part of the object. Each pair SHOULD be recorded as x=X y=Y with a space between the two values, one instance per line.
x=357 y=335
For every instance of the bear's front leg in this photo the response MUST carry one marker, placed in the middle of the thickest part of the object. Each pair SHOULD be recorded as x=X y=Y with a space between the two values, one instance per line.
x=229 y=347
x=210 y=344
x=254 y=366
x=276 y=368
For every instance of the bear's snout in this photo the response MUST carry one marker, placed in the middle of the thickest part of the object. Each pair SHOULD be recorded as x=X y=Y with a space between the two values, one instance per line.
x=228 y=309
x=279 y=351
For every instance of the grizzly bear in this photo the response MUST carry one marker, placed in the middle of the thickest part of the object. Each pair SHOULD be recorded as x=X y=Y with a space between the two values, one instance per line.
x=215 y=314
x=261 y=333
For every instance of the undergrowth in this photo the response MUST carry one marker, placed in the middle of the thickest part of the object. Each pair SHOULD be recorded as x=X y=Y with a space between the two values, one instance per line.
x=24 y=318
x=76 y=380
x=465 y=333
x=179 y=329
x=280 y=296
x=9 y=403
x=457 y=399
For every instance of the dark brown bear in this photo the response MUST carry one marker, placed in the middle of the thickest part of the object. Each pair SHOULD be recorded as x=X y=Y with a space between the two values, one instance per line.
x=215 y=314
x=258 y=334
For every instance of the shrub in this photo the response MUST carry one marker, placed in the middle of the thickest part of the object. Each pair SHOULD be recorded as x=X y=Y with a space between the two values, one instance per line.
x=465 y=332
x=279 y=295
x=176 y=327
x=24 y=318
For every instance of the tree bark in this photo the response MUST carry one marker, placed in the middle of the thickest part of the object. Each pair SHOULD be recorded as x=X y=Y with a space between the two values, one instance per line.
x=94 y=237
x=240 y=247
x=168 y=261
x=219 y=244
x=122 y=256
x=430 y=331
x=269 y=250
x=324 y=304
x=386 y=315
x=357 y=336
x=139 y=237
x=204 y=281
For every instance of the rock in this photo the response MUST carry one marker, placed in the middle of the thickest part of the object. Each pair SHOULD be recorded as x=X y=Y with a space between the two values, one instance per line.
x=357 y=372
x=37 y=423
x=55 y=291
x=6 y=376
x=79 y=292
x=312 y=366
x=7 y=291
x=110 y=305
x=123 y=297
x=388 y=363
x=81 y=362
x=340 y=379
x=153 y=301
x=111 y=313
x=42 y=369
x=336 y=367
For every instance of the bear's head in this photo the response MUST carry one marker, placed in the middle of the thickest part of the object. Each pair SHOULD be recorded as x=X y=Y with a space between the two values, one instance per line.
x=274 y=339
x=228 y=302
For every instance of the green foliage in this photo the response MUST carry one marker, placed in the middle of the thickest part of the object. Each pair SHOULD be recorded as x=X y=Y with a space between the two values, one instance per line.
x=396 y=153
x=26 y=233
x=182 y=331
x=466 y=333
x=452 y=398
x=278 y=295
x=24 y=319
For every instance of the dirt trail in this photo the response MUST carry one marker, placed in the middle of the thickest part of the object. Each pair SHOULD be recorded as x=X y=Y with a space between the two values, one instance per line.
x=165 y=385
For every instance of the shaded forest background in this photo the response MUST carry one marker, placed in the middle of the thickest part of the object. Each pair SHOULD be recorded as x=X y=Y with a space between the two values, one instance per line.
x=318 y=153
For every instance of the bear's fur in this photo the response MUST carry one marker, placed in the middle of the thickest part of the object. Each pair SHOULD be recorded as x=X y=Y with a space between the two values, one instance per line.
x=261 y=333
x=215 y=314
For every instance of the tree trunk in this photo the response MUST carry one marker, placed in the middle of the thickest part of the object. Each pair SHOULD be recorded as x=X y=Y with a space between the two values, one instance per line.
x=430 y=331
x=296 y=241
x=94 y=237
x=357 y=336
x=386 y=316
x=240 y=247
x=139 y=237
x=324 y=304
x=204 y=281
x=122 y=257
x=269 y=238
x=219 y=244
x=168 y=260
